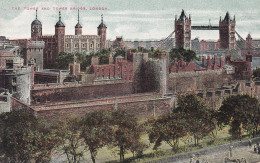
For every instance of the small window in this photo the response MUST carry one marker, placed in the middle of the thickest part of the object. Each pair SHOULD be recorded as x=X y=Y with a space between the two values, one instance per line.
x=14 y=88
x=14 y=80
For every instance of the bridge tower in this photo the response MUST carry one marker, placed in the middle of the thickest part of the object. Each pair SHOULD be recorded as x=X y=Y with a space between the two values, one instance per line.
x=249 y=42
x=227 y=32
x=183 y=31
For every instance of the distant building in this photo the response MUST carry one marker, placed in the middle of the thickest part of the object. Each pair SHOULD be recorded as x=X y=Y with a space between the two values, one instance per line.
x=60 y=42
x=227 y=32
x=118 y=43
x=183 y=31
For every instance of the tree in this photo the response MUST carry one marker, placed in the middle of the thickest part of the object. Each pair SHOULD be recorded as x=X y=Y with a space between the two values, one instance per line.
x=96 y=131
x=199 y=118
x=127 y=132
x=169 y=128
x=65 y=58
x=180 y=53
x=256 y=73
x=68 y=132
x=240 y=111
x=24 y=138
x=120 y=52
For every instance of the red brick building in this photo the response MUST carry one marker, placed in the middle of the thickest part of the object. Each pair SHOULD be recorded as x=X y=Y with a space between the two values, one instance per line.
x=122 y=70
x=207 y=64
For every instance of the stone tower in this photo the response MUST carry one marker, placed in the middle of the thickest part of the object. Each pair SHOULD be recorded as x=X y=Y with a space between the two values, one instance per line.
x=183 y=31
x=227 y=32
x=36 y=28
x=248 y=42
x=78 y=27
x=102 y=32
x=60 y=35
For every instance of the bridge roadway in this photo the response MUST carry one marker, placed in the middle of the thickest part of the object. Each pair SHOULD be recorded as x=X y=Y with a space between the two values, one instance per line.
x=98 y=101
x=209 y=27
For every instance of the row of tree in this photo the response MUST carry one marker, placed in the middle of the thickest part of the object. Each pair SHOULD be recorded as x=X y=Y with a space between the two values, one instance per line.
x=66 y=58
x=24 y=138
x=193 y=118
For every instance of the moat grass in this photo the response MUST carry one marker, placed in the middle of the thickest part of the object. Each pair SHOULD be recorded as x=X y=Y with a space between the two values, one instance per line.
x=222 y=137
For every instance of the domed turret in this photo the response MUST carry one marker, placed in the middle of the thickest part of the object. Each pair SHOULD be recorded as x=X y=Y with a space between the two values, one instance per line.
x=78 y=27
x=102 y=25
x=102 y=32
x=59 y=23
x=60 y=35
x=36 y=28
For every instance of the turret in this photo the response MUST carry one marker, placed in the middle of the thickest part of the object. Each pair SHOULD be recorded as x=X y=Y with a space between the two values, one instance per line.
x=249 y=42
x=78 y=27
x=60 y=34
x=102 y=32
x=36 y=28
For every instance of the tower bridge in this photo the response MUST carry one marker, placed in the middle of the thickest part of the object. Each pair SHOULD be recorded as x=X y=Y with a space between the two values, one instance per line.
x=183 y=28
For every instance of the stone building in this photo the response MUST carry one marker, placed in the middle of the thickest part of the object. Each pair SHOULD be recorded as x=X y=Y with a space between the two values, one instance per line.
x=5 y=102
x=31 y=50
x=15 y=77
x=60 y=42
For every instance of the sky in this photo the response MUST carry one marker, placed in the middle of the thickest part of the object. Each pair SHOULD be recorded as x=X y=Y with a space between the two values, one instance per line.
x=131 y=19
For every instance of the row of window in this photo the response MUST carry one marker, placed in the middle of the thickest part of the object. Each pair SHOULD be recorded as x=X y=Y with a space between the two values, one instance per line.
x=83 y=45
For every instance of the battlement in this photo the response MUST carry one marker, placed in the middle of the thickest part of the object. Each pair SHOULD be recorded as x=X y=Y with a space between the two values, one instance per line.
x=195 y=73
x=82 y=36
x=47 y=36
x=36 y=44
x=17 y=70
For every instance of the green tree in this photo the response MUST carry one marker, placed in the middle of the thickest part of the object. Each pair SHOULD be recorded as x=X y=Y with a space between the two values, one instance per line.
x=169 y=128
x=97 y=131
x=24 y=138
x=68 y=132
x=127 y=132
x=240 y=111
x=120 y=52
x=180 y=53
x=198 y=116
x=64 y=59
x=256 y=73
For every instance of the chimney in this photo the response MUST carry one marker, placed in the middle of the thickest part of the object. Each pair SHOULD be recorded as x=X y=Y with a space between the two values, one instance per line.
x=209 y=63
x=203 y=61
x=111 y=59
x=94 y=60
x=215 y=62
x=221 y=62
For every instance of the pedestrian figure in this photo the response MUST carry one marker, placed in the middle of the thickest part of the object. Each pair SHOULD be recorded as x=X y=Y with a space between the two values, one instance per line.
x=230 y=150
x=255 y=148
x=250 y=143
